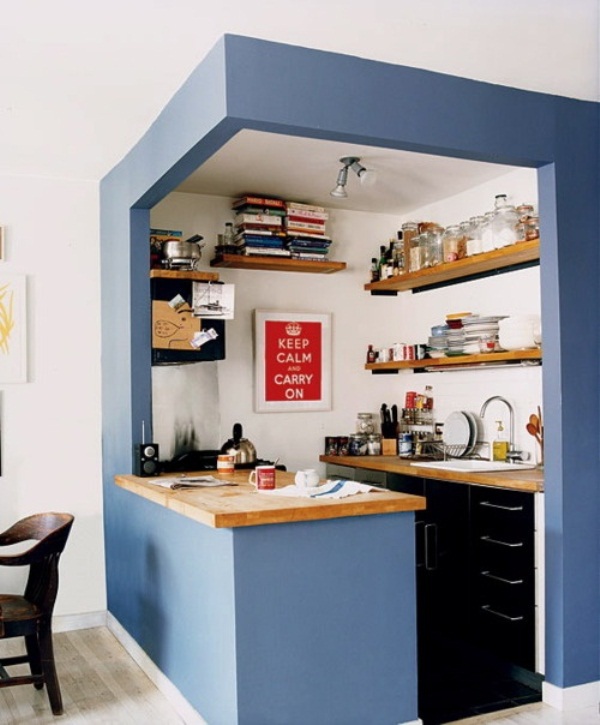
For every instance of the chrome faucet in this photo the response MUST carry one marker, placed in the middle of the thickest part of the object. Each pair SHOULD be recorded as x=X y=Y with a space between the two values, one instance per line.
x=511 y=441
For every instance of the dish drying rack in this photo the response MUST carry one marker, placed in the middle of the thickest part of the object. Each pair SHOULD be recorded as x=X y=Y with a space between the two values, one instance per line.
x=440 y=451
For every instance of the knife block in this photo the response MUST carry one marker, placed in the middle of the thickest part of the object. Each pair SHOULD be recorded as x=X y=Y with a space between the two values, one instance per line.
x=389 y=447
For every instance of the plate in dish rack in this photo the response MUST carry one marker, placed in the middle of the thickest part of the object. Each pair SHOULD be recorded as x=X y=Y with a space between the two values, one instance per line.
x=457 y=433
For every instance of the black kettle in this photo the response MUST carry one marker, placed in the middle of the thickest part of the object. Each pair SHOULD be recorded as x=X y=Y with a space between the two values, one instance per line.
x=240 y=447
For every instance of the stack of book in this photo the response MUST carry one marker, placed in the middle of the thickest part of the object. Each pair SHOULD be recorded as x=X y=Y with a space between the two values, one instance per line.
x=305 y=228
x=259 y=227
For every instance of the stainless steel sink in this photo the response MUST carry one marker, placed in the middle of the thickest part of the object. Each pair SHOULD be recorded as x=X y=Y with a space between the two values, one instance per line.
x=473 y=465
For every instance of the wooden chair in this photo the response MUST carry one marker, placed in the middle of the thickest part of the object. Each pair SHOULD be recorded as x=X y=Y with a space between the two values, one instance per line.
x=30 y=615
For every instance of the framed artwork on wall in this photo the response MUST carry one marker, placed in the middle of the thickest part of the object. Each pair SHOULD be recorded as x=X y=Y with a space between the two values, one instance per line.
x=292 y=361
x=13 y=329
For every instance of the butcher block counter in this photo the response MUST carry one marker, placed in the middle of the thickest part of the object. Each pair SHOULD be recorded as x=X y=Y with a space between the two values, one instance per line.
x=242 y=505
x=528 y=479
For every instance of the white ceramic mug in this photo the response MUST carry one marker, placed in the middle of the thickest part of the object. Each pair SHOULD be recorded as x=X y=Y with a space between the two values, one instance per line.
x=308 y=478
x=263 y=477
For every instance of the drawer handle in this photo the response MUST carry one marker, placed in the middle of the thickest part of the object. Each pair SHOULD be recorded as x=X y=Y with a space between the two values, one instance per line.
x=490 y=505
x=487 y=608
x=512 y=545
x=497 y=578
x=431 y=547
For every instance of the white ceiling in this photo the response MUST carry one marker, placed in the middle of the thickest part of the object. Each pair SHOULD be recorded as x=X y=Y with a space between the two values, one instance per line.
x=304 y=169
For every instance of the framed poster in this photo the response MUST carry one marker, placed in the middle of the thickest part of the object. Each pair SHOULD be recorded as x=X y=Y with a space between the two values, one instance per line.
x=292 y=361
x=13 y=329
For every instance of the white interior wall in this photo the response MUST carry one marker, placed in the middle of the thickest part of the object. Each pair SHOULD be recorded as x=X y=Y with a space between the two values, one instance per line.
x=51 y=449
x=360 y=319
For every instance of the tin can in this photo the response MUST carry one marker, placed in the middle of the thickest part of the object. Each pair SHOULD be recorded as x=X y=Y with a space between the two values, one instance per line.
x=342 y=445
x=410 y=399
x=331 y=445
x=405 y=444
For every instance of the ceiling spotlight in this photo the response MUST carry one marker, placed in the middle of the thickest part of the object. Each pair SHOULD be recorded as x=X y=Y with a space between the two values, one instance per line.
x=366 y=177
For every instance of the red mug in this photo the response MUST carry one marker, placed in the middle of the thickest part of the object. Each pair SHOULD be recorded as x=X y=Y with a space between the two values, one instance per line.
x=263 y=477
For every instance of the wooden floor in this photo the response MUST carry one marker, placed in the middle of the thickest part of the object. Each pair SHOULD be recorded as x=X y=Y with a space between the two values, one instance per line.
x=101 y=684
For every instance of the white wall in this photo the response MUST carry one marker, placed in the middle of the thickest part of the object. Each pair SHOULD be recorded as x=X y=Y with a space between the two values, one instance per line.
x=51 y=451
x=360 y=319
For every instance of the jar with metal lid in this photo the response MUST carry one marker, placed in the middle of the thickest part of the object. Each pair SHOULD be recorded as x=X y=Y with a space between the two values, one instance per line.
x=357 y=444
x=528 y=229
x=365 y=423
x=524 y=211
x=454 y=243
x=504 y=222
x=374 y=444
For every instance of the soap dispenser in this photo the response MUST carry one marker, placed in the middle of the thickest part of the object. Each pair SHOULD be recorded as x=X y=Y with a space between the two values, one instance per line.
x=500 y=444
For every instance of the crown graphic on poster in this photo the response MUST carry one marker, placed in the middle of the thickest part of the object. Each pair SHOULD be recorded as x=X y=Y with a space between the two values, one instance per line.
x=293 y=329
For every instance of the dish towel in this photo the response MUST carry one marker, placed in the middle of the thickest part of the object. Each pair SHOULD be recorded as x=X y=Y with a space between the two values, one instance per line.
x=329 y=489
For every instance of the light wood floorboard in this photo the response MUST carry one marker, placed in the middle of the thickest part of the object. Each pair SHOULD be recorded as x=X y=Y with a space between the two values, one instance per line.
x=99 y=681
x=101 y=684
x=536 y=714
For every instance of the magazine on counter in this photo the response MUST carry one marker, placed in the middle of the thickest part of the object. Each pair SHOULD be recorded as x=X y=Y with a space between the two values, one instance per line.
x=176 y=484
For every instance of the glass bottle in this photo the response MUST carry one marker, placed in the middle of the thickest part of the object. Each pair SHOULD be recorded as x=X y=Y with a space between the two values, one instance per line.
x=374 y=270
x=228 y=234
x=504 y=222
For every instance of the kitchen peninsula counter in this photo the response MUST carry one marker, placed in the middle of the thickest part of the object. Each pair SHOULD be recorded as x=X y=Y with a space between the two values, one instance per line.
x=528 y=479
x=309 y=619
x=242 y=505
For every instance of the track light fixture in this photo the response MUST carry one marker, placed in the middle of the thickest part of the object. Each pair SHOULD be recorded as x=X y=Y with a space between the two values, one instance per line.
x=365 y=176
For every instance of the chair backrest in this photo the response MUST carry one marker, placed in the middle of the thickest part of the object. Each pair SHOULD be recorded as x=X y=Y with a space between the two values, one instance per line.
x=51 y=531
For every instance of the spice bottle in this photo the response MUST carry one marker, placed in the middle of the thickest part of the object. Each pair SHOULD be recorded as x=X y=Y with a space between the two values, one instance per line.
x=370 y=354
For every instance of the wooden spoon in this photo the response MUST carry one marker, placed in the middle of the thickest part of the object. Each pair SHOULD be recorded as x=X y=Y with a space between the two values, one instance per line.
x=532 y=430
x=534 y=421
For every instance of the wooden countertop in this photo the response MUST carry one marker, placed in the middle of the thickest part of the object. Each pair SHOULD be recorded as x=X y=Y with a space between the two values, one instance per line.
x=241 y=505
x=530 y=479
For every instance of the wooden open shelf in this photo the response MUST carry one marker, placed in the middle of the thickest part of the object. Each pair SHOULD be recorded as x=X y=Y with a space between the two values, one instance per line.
x=194 y=275
x=515 y=255
x=277 y=264
x=447 y=363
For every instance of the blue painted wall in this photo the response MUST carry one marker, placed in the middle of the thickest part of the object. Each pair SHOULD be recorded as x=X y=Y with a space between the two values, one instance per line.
x=246 y=83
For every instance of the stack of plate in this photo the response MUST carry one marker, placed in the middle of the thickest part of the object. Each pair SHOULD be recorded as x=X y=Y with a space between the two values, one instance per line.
x=436 y=343
x=460 y=433
x=477 y=327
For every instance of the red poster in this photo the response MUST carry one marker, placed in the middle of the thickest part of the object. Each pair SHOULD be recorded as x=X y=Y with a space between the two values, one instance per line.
x=293 y=360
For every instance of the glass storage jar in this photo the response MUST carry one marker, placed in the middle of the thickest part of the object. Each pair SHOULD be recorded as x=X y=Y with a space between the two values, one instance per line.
x=414 y=252
x=357 y=445
x=475 y=243
x=435 y=250
x=409 y=231
x=365 y=423
x=453 y=242
x=504 y=223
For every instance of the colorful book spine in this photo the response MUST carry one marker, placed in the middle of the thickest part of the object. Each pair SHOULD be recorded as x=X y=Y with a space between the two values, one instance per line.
x=258 y=220
x=305 y=207
x=258 y=201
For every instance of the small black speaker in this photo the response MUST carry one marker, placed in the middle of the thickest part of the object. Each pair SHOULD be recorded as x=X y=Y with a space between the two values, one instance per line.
x=145 y=459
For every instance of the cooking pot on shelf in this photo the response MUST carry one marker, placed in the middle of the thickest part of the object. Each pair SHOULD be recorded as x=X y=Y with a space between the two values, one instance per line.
x=177 y=253
x=241 y=448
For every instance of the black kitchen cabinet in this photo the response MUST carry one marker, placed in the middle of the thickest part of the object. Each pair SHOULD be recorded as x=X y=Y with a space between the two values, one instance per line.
x=475 y=598
x=503 y=574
